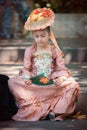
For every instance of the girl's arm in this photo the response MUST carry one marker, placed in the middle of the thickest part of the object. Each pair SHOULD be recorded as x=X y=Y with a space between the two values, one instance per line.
x=26 y=71
x=60 y=69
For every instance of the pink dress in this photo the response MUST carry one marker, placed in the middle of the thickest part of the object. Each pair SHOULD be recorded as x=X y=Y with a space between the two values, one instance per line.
x=35 y=102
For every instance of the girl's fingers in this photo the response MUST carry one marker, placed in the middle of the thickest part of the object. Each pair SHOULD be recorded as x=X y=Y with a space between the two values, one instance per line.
x=58 y=81
x=28 y=82
x=20 y=71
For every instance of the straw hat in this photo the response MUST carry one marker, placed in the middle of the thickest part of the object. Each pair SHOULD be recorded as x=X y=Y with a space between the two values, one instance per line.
x=39 y=19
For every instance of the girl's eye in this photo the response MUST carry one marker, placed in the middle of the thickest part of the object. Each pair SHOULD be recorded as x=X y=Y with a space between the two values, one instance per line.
x=43 y=35
x=36 y=36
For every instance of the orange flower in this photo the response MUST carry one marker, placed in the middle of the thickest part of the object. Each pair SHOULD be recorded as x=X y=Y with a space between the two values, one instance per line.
x=46 y=13
x=36 y=11
x=39 y=14
x=44 y=80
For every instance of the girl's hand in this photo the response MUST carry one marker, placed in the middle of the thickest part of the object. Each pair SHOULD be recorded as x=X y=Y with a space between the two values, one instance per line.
x=20 y=72
x=59 y=80
x=28 y=82
x=24 y=72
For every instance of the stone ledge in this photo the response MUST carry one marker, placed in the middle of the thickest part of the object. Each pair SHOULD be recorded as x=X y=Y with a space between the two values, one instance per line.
x=78 y=71
x=82 y=103
x=63 y=42
x=16 y=54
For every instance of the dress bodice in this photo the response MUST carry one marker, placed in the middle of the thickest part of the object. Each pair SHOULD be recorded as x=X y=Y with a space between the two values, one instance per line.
x=42 y=63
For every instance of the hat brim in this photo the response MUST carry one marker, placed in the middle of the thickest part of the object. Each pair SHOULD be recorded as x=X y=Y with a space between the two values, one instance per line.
x=37 y=25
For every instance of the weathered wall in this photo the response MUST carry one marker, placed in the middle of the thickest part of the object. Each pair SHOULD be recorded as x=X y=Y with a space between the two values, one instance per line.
x=70 y=25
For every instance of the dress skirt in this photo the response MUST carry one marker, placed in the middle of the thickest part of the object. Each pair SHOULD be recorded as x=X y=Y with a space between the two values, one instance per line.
x=35 y=102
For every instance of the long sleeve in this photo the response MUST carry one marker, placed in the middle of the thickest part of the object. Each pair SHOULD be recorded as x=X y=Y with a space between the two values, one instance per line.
x=27 y=59
x=59 y=65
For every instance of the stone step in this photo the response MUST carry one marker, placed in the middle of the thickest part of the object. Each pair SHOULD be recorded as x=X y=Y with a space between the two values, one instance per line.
x=62 y=42
x=81 y=105
x=78 y=71
x=11 y=60
x=75 y=50
x=16 y=54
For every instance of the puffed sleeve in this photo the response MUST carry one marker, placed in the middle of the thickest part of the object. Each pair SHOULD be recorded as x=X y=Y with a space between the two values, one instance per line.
x=59 y=69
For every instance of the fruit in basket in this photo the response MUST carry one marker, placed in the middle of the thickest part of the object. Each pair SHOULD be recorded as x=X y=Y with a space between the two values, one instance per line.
x=44 y=80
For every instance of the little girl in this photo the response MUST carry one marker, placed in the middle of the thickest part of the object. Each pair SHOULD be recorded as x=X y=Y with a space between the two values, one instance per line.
x=45 y=86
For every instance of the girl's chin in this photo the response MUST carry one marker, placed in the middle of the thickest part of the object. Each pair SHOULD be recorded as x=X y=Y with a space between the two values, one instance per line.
x=42 y=45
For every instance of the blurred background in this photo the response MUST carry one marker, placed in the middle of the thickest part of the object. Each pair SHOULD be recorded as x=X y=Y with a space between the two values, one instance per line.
x=13 y=14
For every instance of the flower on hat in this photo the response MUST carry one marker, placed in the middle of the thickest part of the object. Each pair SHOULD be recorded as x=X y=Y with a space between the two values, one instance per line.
x=40 y=13
x=39 y=19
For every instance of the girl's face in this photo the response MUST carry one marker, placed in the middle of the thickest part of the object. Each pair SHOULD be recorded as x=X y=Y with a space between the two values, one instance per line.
x=41 y=37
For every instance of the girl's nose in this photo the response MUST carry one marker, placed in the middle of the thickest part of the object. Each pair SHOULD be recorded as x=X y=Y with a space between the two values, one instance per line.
x=40 y=38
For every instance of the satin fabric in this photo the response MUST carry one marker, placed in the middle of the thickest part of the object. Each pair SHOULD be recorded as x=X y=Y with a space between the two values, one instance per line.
x=35 y=102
